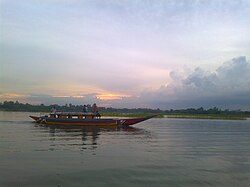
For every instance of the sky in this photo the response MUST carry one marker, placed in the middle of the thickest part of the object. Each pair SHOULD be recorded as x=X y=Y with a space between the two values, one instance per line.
x=129 y=53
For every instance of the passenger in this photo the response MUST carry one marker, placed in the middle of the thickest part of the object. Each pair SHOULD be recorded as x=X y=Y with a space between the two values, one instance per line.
x=94 y=108
x=85 y=109
x=98 y=115
x=53 y=110
x=89 y=109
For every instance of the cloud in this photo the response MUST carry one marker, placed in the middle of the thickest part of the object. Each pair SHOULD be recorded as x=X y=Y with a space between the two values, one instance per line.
x=115 y=46
x=227 y=87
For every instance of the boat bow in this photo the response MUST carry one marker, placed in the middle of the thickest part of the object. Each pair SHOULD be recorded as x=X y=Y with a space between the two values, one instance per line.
x=132 y=121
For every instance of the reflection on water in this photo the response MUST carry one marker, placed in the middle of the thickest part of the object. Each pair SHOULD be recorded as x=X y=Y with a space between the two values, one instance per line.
x=84 y=137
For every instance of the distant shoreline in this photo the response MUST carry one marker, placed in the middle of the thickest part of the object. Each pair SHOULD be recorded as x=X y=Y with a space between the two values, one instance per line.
x=182 y=116
x=188 y=113
x=162 y=115
x=221 y=117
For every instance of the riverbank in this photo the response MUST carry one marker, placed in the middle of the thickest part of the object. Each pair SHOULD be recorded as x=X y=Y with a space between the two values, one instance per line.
x=206 y=116
x=181 y=116
x=189 y=113
x=164 y=115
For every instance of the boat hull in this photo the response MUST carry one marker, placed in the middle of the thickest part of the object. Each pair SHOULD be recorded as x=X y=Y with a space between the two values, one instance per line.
x=88 y=122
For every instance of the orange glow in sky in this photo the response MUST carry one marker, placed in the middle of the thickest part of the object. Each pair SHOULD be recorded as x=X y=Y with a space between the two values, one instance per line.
x=110 y=96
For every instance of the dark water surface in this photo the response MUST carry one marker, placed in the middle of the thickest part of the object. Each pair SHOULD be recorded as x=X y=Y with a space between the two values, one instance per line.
x=157 y=152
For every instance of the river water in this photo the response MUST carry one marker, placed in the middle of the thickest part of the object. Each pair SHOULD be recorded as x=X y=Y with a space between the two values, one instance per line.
x=157 y=152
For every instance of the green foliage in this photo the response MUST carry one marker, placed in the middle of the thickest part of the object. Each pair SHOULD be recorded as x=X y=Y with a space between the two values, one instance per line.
x=208 y=116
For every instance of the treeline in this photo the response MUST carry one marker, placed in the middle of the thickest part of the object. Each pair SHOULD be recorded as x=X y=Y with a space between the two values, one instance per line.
x=201 y=110
x=16 y=106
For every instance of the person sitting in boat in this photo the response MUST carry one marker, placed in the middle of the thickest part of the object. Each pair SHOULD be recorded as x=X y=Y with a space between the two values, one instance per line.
x=85 y=108
x=98 y=115
x=95 y=110
x=88 y=108
x=53 y=110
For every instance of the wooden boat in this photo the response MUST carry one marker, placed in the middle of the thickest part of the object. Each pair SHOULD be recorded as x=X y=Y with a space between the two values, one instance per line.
x=85 y=119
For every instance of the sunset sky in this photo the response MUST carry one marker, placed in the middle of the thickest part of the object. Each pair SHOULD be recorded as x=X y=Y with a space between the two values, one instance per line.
x=129 y=53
